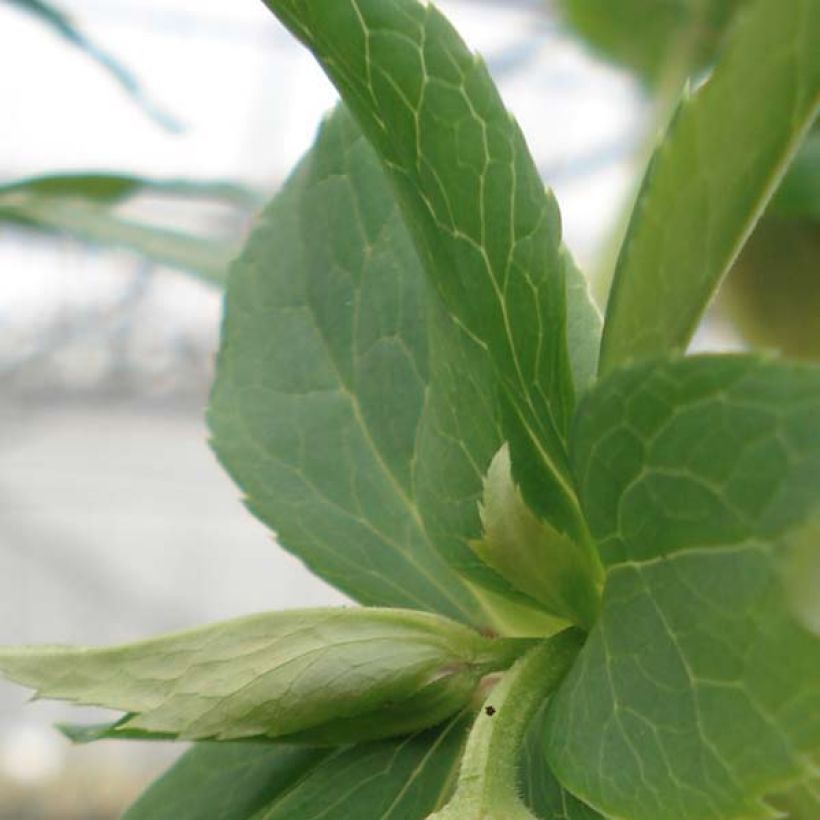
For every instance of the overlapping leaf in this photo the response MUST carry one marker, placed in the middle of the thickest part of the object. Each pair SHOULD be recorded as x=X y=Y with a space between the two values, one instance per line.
x=487 y=232
x=698 y=692
x=356 y=414
x=711 y=177
x=539 y=788
x=322 y=378
x=402 y=779
x=324 y=676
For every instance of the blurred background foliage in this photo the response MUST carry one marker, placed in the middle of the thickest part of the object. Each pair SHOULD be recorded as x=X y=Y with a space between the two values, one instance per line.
x=592 y=81
x=773 y=293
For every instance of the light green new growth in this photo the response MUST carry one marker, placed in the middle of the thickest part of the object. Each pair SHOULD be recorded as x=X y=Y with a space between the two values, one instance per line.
x=534 y=557
x=711 y=177
x=488 y=781
x=322 y=676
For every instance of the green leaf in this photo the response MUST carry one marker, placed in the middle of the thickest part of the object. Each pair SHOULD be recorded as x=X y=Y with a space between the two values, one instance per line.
x=226 y=781
x=319 y=676
x=322 y=380
x=584 y=325
x=82 y=206
x=711 y=178
x=706 y=451
x=645 y=35
x=487 y=787
x=697 y=693
x=460 y=432
x=798 y=196
x=531 y=554
x=62 y=25
x=113 y=188
x=400 y=779
x=488 y=233
x=540 y=791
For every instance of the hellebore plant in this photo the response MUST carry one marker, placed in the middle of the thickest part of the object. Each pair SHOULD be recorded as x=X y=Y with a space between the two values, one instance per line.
x=587 y=562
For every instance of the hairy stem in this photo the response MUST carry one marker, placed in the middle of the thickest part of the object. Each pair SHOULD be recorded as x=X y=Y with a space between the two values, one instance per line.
x=487 y=784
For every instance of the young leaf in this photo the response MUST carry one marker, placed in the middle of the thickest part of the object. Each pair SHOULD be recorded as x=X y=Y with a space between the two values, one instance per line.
x=697 y=693
x=401 y=779
x=488 y=233
x=318 y=676
x=487 y=787
x=710 y=179
x=461 y=430
x=82 y=206
x=531 y=554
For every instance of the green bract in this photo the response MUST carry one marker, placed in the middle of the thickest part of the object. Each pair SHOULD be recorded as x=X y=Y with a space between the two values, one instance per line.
x=407 y=392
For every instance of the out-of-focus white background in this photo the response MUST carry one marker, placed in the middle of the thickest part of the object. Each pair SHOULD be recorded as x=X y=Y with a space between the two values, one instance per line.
x=115 y=519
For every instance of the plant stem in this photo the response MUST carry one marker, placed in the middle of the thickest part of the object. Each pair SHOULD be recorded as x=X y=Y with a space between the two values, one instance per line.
x=487 y=785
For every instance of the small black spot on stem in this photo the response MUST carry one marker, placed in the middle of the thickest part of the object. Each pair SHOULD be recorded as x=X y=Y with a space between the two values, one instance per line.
x=490 y=710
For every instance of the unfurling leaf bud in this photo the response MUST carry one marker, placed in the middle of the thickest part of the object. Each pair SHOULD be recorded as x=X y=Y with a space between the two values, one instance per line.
x=537 y=559
x=323 y=676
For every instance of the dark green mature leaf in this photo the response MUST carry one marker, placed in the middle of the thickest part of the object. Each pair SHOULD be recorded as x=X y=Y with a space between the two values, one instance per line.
x=402 y=779
x=82 y=206
x=225 y=781
x=711 y=178
x=488 y=233
x=321 y=676
x=461 y=429
x=707 y=451
x=540 y=790
x=63 y=26
x=322 y=381
x=358 y=417
x=698 y=692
